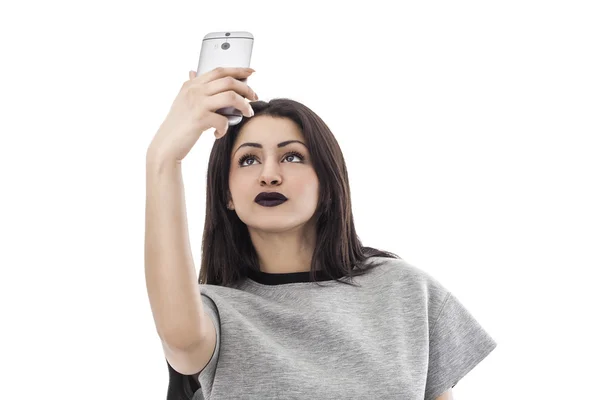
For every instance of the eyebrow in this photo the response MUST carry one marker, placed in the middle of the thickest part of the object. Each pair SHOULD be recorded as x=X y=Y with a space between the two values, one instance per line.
x=260 y=146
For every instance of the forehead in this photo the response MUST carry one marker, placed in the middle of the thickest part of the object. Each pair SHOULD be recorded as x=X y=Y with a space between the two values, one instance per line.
x=268 y=131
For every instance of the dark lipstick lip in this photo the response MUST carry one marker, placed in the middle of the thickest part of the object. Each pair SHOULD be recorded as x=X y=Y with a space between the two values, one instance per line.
x=269 y=196
x=270 y=203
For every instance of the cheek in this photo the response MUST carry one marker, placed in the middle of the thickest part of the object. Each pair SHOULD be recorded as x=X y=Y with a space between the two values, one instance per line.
x=238 y=185
x=308 y=185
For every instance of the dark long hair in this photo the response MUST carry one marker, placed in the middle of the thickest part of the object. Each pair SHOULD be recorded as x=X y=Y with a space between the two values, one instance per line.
x=227 y=251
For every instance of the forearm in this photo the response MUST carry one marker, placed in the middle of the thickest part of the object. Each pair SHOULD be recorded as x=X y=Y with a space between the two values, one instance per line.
x=171 y=279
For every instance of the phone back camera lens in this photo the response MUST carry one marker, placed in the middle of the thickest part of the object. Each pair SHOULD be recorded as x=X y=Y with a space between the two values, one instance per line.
x=225 y=46
x=227 y=34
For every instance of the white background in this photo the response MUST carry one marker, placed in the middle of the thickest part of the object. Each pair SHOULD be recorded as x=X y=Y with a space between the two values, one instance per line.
x=470 y=131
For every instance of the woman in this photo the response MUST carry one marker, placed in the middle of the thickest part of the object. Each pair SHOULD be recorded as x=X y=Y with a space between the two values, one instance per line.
x=289 y=304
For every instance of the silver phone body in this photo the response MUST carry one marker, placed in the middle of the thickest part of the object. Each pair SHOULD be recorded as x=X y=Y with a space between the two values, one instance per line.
x=226 y=49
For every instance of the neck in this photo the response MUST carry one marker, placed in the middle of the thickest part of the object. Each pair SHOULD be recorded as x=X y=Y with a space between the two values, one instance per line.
x=284 y=252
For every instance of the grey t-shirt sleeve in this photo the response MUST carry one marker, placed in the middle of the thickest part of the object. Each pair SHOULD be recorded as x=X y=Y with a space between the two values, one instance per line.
x=207 y=375
x=456 y=345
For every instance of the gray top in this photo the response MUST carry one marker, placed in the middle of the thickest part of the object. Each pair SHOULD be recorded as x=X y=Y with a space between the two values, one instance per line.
x=400 y=335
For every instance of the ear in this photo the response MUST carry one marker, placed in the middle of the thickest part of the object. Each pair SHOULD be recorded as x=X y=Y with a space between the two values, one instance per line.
x=230 y=205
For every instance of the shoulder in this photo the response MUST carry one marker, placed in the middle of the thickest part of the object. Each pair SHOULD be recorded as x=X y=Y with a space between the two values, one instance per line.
x=401 y=271
x=406 y=281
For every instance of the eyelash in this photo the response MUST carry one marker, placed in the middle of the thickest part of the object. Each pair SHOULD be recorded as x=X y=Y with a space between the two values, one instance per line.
x=248 y=155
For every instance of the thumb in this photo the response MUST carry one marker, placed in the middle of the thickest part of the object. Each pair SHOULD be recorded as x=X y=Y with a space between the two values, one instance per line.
x=192 y=74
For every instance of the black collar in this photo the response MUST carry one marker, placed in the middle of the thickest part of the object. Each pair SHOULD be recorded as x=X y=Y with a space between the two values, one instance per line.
x=278 y=279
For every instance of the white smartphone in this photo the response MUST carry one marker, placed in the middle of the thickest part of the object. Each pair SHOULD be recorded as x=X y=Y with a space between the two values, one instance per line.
x=226 y=49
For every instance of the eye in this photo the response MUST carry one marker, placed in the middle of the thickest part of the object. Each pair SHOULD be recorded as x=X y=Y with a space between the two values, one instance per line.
x=253 y=157
x=293 y=154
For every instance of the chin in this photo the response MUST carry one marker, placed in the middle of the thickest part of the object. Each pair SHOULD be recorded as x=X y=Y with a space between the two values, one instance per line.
x=276 y=223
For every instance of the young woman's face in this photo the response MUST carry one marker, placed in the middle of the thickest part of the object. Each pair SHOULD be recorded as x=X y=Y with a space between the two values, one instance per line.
x=266 y=167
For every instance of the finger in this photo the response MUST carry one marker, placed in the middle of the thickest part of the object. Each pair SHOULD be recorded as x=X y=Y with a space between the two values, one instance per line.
x=223 y=131
x=220 y=72
x=230 y=83
x=229 y=99
x=220 y=123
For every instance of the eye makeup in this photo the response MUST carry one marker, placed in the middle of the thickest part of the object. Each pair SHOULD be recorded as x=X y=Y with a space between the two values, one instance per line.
x=247 y=156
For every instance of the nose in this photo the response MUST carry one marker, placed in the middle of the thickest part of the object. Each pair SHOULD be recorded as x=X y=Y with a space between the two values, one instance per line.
x=270 y=175
x=270 y=179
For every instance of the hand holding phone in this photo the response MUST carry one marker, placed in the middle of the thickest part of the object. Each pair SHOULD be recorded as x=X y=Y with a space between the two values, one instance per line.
x=226 y=49
x=194 y=111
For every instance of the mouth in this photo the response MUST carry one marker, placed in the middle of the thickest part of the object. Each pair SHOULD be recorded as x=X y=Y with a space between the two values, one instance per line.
x=270 y=203
x=270 y=199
